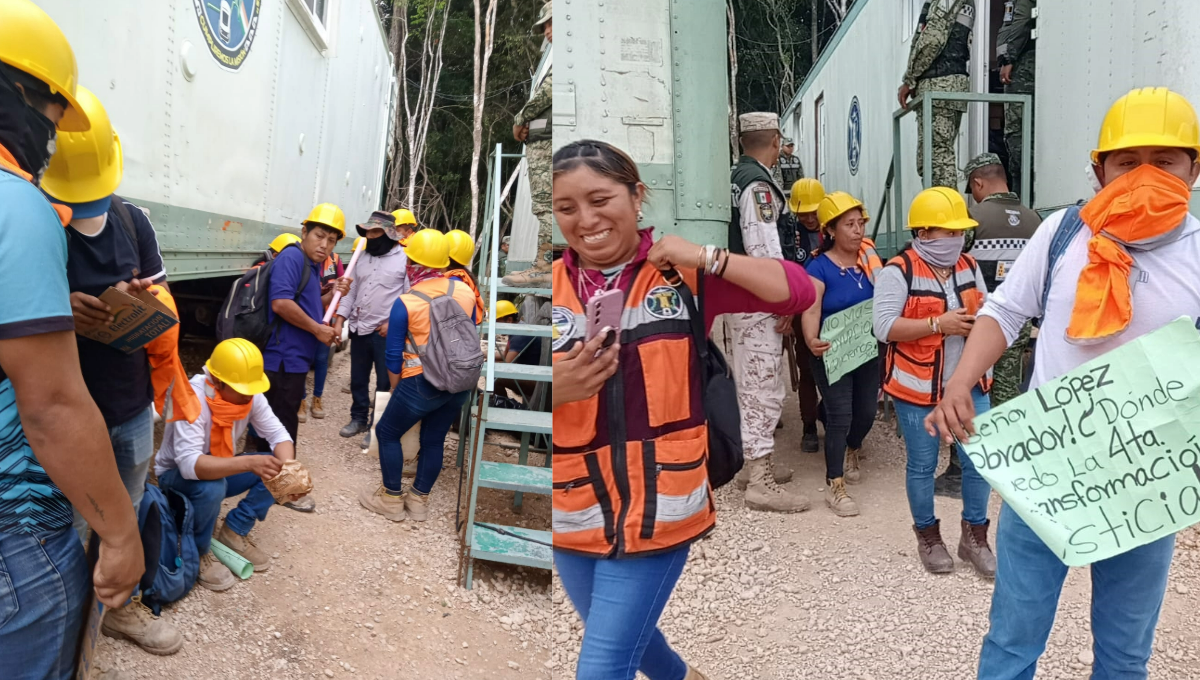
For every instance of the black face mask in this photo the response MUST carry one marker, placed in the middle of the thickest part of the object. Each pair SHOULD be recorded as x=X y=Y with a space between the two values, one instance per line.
x=380 y=245
x=24 y=131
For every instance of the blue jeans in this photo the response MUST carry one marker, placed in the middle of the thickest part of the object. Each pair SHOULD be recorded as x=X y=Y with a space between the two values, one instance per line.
x=367 y=352
x=206 y=496
x=416 y=401
x=1127 y=596
x=320 y=371
x=922 y=463
x=133 y=445
x=44 y=584
x=620 y=602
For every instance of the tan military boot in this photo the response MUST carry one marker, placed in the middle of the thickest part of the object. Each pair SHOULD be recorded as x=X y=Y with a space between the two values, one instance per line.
x=214 y=575
x=853 y=468
x=537 y=276
x=318 y=411
x=839 y=500
x=932 y=550
x=781 y=475
x=245 y=547
x=136 y=623
x=417 y=506
x=303 y=415
x=383 y=503
x=693 y=674
x=764 y=494
x=973 y=547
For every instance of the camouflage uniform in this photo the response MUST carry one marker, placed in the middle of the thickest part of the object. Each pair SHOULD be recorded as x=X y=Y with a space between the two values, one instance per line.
x=538 y=155
x=937 y=62
x=1015 y=45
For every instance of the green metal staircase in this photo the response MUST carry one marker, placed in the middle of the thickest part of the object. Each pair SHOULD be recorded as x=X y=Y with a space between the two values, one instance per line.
x=485 y=540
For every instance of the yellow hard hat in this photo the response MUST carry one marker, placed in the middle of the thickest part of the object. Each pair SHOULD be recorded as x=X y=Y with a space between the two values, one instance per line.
x=86 y=166
x=31 y=42
x=357 y=240
x=836 y=204
x=238 y=363
x=940 y=207
x=1150 y=116
x=505 y=308
x=404 y=216
x=429 y=248
x=329 y=215
x=806 y=195
x=462 y=246
x=282 y=241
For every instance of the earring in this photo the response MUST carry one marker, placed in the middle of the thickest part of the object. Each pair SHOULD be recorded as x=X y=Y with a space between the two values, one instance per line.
x=640 y=215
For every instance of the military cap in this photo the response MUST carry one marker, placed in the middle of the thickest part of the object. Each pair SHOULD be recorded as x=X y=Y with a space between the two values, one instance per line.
x=981 y=161
x=544 y=16
x=787 y=141
x=753 y=122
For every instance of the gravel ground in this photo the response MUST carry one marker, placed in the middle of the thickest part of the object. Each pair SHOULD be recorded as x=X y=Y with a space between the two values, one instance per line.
x=353 y=594
x=768 y=597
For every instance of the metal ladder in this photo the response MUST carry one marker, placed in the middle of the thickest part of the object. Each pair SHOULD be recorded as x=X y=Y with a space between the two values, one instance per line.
x=490 y=541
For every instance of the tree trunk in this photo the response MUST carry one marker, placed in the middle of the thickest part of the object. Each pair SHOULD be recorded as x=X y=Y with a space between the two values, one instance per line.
x=485 y=27
x=733 y=71
x=816 y=49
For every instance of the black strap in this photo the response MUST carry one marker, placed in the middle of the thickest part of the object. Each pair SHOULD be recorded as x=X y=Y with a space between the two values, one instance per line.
x=305 y=275
x=428 y=300
x=695 y=309
x=126 y=220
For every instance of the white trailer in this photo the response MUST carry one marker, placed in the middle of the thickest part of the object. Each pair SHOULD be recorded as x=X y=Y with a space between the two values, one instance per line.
x=1090 y=52
x=237 y=116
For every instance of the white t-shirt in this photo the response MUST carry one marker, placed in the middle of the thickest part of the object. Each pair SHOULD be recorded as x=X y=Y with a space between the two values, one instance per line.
x=184 y=442
x=1164 y=282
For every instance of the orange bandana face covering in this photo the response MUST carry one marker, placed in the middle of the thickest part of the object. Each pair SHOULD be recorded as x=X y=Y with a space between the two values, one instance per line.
x=224 y=415
x=1141 y=208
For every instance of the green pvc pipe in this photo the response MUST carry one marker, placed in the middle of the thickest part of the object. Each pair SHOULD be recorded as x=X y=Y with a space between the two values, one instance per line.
x=240 y=566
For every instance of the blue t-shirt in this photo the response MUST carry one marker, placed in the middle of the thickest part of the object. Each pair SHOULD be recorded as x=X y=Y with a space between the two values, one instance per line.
x=528 y=349
x=118 y=382
x=292 y=349
x=37 y=300
x=843 y=289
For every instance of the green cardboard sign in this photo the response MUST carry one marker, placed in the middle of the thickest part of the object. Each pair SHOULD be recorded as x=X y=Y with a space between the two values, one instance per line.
x=851 y=340
x=1107 y=457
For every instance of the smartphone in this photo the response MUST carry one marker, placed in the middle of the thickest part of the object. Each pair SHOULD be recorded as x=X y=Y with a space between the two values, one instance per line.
x=604 y=310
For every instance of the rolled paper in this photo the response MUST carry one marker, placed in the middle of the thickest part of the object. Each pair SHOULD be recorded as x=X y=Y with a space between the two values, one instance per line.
x=240 y=566
x=337 y=294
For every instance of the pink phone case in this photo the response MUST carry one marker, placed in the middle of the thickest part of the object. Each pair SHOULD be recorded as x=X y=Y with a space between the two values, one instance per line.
x=604 y=309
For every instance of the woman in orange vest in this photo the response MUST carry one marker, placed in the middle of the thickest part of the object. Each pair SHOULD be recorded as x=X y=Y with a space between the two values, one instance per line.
x=843 y=275
x=925 y=304
x=631 y=490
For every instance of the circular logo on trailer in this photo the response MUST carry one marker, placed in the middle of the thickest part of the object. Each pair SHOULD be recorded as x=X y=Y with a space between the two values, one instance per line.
x=664 y=302
x=562 y=327
x=229 y=27
x=854 y=136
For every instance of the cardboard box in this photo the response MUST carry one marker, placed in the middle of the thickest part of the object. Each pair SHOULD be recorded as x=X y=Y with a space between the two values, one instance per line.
x=93 y=615
x=139 y=319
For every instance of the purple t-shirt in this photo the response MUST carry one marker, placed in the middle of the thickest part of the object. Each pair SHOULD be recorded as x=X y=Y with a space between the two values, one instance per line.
x=291 y=349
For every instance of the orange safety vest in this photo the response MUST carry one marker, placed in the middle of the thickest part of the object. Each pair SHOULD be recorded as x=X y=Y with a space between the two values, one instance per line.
x=914 y=369
x=465 y=277
x=418 y=318
x=8 y=163
x=174 y=397
x=868 y=259
x=631 y=462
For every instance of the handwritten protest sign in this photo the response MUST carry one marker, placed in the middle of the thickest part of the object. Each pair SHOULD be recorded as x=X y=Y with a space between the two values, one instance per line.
x=851 y=340
x=1107 y=457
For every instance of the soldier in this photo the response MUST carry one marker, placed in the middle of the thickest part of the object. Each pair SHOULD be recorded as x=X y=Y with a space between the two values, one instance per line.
x=937 y=62
x=759 y=209
x=533 y=126
x=1015 y=52
x=789 y=168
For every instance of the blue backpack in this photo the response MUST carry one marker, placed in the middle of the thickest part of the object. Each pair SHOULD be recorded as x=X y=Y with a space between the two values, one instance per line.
x=165 y=520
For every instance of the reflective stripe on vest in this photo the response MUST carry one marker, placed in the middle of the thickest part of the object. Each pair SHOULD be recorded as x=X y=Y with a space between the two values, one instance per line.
x=630 y=472
x=914 y=369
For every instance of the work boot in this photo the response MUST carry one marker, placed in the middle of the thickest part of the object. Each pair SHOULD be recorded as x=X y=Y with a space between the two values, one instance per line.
x=214 y=575
x=410 y=468
x=245 y=547
x=317 y=410
x=973 y=547
x=417 y=506
x=366 y=440
x=810 y=443
x=762 y=493
x=382 y=502
x=111 y=674
x=839 y=500
x=354 y=427
x=781 y=475
x=852 y=469
x=537 y=276
x=932 y=551
x=346 y=389
x=305 y=504
x=303 y=415
x=136 y=623
x=693 y=674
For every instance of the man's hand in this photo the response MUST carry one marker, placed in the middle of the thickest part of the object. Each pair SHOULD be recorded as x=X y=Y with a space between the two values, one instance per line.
x=903 y=95
x=784 y=325
x=343 y=286
x=1006 y=74
x=266 y=467
x=118 y=570
x=134 y=286
x=337 y=326
x=954 y=416
x=89 y=312
x=382 y=330
x=581 y=374
x=520 y=132
x=325 y=334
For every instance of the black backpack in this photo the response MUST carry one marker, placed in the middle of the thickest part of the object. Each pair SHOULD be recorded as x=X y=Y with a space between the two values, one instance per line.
x=244 y=312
